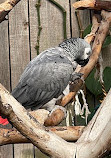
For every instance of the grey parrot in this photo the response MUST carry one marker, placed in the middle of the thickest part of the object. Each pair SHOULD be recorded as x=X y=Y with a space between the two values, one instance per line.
x=48 y=74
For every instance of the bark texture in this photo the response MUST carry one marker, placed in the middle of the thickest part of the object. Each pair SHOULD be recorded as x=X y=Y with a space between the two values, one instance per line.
x=12 y=136
x=94 y=141
x=6 y=7
x=93 y=4
x=27 y=125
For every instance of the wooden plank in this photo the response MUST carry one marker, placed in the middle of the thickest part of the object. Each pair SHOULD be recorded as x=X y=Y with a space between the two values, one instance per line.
x=23 y=151
x=74 y=24
x=4 y=55
x=5 y=76
x=39 y=154
x=20 y=56
x=51 y=22
x=19 y=40
x=6 y=150
x=84 y=17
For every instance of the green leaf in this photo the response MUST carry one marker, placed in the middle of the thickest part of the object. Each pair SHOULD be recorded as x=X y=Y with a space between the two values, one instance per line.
x=107 y=78
x=107 y=41
x=87 y=30
x=93 y=85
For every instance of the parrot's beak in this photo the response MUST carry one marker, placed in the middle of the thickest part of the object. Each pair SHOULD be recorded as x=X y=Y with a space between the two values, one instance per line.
x=82 y=62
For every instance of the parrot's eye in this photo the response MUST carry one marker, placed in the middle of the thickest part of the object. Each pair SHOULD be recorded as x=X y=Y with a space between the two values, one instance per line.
x=87 y=53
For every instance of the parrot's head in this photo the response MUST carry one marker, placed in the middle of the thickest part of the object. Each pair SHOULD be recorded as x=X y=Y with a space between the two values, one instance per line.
x=78 y=48
x=83 y=52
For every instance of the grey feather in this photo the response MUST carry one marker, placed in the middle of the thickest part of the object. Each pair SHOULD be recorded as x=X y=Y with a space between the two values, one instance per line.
x=47 y=75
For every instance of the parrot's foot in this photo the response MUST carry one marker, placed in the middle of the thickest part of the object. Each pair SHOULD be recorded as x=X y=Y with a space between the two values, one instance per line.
x=75 y=76
x=59 y=107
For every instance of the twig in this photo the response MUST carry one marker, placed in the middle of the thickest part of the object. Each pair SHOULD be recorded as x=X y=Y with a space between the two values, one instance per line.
x=38 y=4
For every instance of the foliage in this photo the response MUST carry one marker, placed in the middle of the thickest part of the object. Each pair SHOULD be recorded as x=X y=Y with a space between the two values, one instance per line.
x=107 y=78
x=107 y=41
x=87 y=30
x=95 y=86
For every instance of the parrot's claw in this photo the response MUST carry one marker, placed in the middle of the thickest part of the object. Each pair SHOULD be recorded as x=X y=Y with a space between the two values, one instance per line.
x=75 y=76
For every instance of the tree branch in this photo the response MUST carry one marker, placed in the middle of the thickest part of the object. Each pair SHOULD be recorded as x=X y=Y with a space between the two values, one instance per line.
x=12 y=136
x=6 y=7
x=96 y=138
x=95 y=26
x=94 y=141
x=93 y=4
x=96 y=49
x=28 y=126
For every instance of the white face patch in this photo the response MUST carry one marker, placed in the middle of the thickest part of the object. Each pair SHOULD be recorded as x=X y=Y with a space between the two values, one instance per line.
x=87 y=53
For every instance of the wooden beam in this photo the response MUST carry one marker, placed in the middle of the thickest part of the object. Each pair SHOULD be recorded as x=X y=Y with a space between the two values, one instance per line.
x=93 y=4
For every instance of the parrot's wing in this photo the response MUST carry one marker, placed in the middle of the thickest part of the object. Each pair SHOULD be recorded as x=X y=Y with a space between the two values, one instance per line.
x=45 y=78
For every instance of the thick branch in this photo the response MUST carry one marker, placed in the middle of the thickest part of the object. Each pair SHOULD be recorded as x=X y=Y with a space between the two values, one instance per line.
x=94 y=141
x=93 y=4
x=12 y=136
x=96 y=49
x=28 y=126
x=41 y=115
x=6 y=7
x=97 y=134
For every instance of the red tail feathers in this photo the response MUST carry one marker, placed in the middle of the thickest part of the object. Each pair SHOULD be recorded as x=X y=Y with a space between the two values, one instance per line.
x=3 y=121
